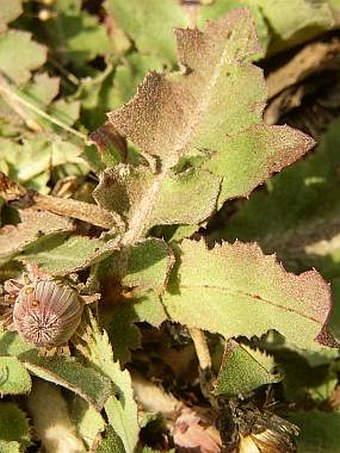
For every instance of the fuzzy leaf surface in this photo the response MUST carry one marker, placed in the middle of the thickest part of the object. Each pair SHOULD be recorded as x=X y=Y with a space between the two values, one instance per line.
x=14 y=379
x=242 y=370
x=145 y=265
x=111 y=442
x=85 y=382
x=188 y=198
x=121 y=408
x=301 y=208
x=13 y=426
x=60 y=257
x=277 y=23
x=69 y=373
x=213 y=110
x=121 y=328
x=236 y=290
x=34 y=226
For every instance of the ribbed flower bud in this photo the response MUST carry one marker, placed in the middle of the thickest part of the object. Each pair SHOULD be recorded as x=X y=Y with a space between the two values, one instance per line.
x=46 y=313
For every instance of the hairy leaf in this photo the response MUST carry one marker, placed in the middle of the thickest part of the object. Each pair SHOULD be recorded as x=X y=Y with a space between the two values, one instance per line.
x=298 y=215
x=130 y=74
x=13 y=426
x=187 y=114
x=236 y=290
x=35 y=226
x=69 y=373
x=188 y=198
x=123 y=333
x=111 y=442
x=145 y=265
x=66 y=256
x=243 y=370
x=86 y=382
x=121 y=408
x=14 y=379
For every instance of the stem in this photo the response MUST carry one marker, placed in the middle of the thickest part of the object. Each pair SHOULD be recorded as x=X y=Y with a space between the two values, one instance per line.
x=87 y=212
x=204 y=360
x=15 y=101
x=80 y=210
x=201 y=347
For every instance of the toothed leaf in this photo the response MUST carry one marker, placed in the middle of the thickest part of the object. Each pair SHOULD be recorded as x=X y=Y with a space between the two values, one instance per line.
x=234 y=289
x=243 y=370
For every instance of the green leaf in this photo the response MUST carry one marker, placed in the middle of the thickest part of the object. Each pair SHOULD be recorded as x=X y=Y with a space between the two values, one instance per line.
x=236 y=290
x=88 y=420
x=85 y=382
x=190 y=115
x=289 y=28
x=24 y=56
x=35 y=227
x=69 y=373
x=297 y=215
x=121 y=408
x=66 y=256
x=243 y=370
x=14 y=379
x=155 y=38
x=319 y=431
x=8 y=12
x=75 y=35
x=216 y=9
x=34 y=157
x=145 y=265
x=187 y=198
x=65 y=110
x=122 y=331
x=130 y=74
x=277 y=23
x=42 y=89
x=272 y=148
x=120 y=326
x=111 y=442
x=13 y=426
